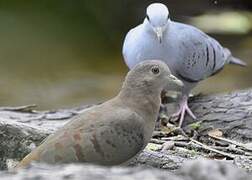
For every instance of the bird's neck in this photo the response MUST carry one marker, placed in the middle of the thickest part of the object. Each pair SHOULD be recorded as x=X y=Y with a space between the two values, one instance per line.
x=141 y=98
x=145 y=103
x=149 y=29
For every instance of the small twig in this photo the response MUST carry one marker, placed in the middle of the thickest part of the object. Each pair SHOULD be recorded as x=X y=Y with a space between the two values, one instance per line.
x=175 y=138
x=191 y=146
x=25 y=108
x=230 y=149
x=232 y=142
x=178 y=143
x=212 y=149
x=157 y=141
x=182 y=144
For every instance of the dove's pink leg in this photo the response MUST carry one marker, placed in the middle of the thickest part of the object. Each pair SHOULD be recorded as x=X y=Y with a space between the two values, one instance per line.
x=183 y=108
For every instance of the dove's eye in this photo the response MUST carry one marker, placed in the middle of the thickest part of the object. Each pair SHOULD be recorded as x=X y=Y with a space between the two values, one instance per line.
x=155 y=70
x=148 y=17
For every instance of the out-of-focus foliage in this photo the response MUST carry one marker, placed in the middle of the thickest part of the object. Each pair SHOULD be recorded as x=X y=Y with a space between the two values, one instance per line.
x=63 y=53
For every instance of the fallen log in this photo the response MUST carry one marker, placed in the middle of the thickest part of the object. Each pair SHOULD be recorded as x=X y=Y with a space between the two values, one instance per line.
x=194 y=170
x=23 y=128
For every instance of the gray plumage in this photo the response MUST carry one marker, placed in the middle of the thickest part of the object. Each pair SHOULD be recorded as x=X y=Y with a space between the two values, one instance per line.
x=115 y=131
x=191 y=54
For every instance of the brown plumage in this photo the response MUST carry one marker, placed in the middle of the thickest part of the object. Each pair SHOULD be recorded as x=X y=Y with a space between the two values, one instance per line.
x=115 y=131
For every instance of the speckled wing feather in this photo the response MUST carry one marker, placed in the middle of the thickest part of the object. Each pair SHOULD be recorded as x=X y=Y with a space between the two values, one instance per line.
x=200 y=55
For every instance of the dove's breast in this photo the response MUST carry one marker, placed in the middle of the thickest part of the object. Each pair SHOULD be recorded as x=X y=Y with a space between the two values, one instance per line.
x=140 y=45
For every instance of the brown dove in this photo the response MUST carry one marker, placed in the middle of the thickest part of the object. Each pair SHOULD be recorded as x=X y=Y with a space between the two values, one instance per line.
x=115 y=131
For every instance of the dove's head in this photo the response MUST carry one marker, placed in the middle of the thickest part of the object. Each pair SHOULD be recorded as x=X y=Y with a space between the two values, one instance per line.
x=151 y=76
x=157 y=18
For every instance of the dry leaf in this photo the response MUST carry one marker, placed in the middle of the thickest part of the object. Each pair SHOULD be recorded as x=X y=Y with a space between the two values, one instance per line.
x=215 y=133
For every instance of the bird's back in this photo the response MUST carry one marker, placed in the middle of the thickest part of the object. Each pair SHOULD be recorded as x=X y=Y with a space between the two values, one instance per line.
x=104 y=134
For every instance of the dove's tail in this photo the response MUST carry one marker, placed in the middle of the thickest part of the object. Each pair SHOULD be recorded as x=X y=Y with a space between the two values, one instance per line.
x=233 y=60
x=237 y=61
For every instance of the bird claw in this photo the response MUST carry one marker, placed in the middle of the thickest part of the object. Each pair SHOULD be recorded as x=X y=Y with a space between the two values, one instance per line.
x=183 y=109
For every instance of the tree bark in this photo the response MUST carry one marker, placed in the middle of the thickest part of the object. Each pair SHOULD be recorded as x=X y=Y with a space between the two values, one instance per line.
x=195 y=170
x=23 y=128
x=231 y=113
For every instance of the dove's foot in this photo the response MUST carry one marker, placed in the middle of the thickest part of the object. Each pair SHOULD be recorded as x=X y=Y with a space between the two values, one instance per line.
x=183 y=108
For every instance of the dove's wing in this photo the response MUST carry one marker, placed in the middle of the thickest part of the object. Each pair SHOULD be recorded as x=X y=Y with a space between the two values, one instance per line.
x=200 y=55
x=106 y=137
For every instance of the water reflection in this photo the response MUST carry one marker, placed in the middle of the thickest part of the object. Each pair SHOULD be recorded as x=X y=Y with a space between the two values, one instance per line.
x=64 y=56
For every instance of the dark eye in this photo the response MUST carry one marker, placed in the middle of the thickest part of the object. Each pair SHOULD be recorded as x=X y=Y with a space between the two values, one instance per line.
x=155 y=70
x=148 y=17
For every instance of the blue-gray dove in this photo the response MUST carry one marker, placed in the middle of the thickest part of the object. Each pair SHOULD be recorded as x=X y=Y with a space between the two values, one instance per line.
x=191 y=54
x=115 y=131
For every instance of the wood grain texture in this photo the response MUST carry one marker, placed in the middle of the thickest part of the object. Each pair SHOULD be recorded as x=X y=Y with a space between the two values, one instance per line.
x=22 y=128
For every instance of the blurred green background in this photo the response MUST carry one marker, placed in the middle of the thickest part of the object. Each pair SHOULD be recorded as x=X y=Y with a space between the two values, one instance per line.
x=67 y=53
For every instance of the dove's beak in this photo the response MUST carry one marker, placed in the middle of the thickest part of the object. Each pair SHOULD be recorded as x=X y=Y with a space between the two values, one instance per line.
x=173 y=83
x=159 y=33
